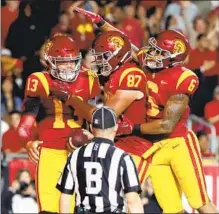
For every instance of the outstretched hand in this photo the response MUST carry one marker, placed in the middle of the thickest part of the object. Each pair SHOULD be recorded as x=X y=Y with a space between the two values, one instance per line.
x=93 y=17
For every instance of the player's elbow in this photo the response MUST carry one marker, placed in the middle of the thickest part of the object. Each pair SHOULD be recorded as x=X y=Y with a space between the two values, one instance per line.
x=167 y=126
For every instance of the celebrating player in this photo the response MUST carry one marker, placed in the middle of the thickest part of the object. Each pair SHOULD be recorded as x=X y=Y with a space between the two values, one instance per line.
x=176 y=166
x=124 y=91
x=56 y=121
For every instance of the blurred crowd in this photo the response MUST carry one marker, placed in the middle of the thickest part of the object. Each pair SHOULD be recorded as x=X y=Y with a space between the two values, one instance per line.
x=26 y=25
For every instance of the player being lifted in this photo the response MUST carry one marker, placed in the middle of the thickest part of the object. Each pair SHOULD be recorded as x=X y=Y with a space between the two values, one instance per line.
x=124 y=91
x=56 y=122
x=176 y=166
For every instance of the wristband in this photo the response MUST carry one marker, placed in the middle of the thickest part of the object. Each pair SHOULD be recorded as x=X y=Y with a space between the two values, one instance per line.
x=101 y=23
x=136 y=129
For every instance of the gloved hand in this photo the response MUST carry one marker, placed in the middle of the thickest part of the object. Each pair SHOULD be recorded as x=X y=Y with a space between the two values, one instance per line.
x=125 y=126
x=93 y=17
x=60 y=90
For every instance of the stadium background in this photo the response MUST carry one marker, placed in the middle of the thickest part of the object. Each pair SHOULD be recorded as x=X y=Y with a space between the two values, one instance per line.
x=25 y=26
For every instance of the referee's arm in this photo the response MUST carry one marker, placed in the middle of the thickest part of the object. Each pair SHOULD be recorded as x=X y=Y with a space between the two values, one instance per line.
x=66 y=186
x=131 y=185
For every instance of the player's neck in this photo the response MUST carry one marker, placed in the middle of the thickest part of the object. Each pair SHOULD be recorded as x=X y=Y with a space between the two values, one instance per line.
x=106 y=136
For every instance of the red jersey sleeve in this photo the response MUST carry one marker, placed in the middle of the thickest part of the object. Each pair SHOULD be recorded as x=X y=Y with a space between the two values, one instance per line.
x=187 y=83
x=132 y=79
x=37 y=85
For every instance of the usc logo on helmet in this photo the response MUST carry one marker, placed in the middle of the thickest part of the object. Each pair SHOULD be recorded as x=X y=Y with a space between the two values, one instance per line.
x=179 y=46
x=116 y=41
x=48 y=45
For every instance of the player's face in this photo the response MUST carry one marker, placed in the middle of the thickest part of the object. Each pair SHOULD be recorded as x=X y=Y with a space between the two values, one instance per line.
x=67 y=70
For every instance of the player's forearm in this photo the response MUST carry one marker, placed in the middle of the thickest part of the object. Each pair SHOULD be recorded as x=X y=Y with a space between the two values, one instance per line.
x=157 y=127
x=24 y=128
x=214 y=119
x=83 y=109
x=65 y=203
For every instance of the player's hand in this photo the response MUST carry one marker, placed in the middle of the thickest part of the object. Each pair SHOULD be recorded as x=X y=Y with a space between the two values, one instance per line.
x=60 y=90
x=32 y=148
x=89 y=135
x=125 y=126
x=93 y=17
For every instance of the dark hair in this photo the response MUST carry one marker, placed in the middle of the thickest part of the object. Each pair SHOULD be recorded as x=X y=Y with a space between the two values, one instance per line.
x=151 y=11
x=200 y=36
x=167 y=23
x=200 y=134
x=14 y=112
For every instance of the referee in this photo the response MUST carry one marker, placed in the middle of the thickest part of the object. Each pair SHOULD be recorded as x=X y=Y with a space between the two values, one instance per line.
x=100 y=174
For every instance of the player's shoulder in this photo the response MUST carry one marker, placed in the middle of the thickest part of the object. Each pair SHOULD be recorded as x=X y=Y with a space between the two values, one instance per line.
x=186 y=81
x=130 y=76
x=38 y=83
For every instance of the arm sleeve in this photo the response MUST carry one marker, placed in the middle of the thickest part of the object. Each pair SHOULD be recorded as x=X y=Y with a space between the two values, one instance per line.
x=66 y=182
x=129 y=175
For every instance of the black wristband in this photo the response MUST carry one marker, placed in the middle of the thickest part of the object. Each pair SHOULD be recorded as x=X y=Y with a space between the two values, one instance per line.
x=101 y=23
x=137 y=129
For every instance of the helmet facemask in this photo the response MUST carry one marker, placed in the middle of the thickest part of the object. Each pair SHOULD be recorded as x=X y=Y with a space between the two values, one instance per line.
x=64 y=68
x=101 y=63
x=155 y=57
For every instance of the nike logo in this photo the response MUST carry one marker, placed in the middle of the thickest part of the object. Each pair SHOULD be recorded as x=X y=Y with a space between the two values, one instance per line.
x=163 y=82
x=173 y=147
x=76 y=91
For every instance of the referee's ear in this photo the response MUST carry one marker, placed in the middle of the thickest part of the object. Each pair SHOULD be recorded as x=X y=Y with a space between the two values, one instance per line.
x=116 y=128
x=91 y=128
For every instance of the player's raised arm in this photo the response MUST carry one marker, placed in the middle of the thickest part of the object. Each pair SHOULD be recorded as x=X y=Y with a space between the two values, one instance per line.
x=104 y=26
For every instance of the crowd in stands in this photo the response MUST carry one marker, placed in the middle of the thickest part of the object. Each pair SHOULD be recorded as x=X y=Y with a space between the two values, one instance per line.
x=26 y=25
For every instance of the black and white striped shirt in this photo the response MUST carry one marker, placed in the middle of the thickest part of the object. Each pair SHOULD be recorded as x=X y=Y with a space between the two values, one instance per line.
x=100 y=174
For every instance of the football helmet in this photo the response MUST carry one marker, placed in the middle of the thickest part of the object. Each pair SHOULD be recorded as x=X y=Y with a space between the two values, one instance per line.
x=170 y=48
x=110 y=50
x=63 y=57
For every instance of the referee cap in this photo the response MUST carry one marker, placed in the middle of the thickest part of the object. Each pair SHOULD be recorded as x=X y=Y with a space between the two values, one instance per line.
x=104 y=118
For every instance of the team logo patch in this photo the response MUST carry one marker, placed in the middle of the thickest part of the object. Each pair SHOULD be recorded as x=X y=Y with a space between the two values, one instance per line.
x=116 y=41
x=48 y=45
x=179 y=46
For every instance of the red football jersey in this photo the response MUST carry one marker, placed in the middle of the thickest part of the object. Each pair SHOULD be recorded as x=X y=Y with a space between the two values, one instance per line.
x=56 y=120
x=162 y=85
x=129 y=77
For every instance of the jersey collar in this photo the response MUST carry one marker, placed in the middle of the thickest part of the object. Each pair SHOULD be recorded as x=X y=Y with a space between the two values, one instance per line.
x=102 y=140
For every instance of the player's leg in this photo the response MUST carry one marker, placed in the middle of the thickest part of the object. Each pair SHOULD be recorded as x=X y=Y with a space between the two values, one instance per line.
x=49 y=170
x=187 y=166
x=166 y=187
x=142 y=167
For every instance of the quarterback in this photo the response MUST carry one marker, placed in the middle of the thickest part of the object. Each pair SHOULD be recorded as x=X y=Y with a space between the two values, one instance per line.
x=56 y=121
x=176 y=165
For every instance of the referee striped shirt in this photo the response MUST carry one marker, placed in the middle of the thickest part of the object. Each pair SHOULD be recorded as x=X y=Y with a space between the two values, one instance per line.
x=100 y=174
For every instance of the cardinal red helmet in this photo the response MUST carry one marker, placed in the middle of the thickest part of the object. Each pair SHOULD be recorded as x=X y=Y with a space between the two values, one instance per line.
x=63 y=57
x=170 y=48
x=110 y=49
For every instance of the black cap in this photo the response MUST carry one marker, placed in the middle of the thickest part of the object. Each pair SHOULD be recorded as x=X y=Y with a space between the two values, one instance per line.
x=103 y=118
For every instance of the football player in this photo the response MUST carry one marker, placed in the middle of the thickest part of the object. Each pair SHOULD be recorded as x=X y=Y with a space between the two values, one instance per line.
x=177 y=165
x=124 y=91
x=56 y=121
